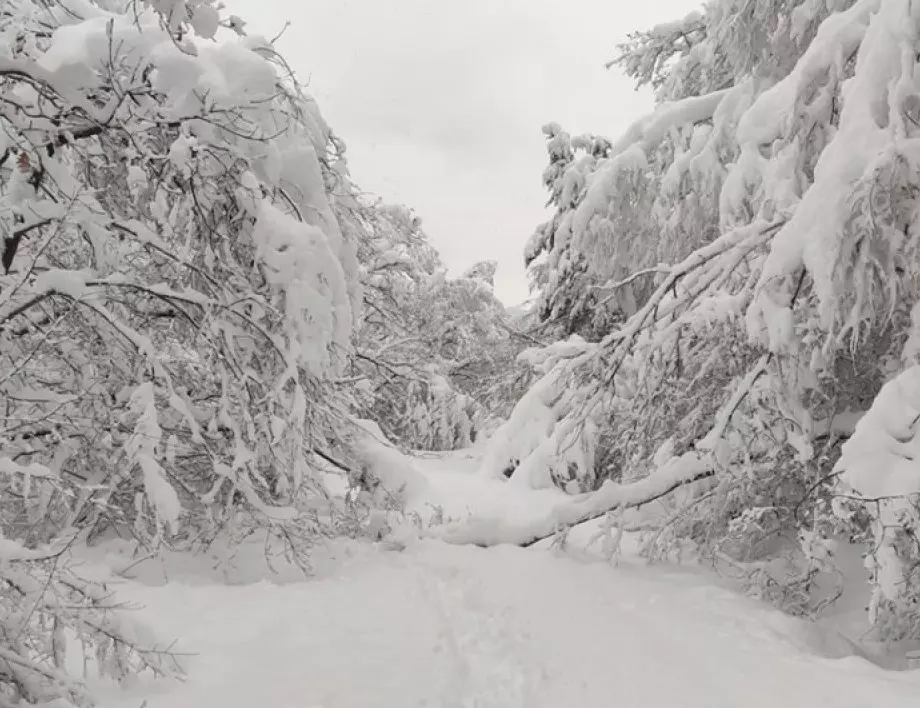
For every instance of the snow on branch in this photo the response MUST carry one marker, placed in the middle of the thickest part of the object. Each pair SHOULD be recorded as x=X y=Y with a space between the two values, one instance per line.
x=630 y=152
x=678 y=472
x=649 y=130
x=879 y=469
x=42 y=79
x=871 y=130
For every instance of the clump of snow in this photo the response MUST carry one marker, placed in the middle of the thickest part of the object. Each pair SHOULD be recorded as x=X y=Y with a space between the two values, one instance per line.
x=300 y=264
x=532 y=448
x=630 y=152
x=141 y=450
x=673 y=473
x=882 y=458
x=67 y=282
x=545 y=358
x=385 y=466
x=33 y=469
x=879 y=464
x=459 y=494
x=813 y=235
x=205 y=20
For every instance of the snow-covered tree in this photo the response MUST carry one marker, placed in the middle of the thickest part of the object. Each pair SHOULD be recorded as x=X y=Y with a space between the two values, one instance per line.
x=569 y=299
x=177 y=306
x=431 y=349
x=177 y=291
x=777 y=179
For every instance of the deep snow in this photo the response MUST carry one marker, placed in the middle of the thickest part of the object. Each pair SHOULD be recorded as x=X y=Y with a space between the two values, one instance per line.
x=450 y=626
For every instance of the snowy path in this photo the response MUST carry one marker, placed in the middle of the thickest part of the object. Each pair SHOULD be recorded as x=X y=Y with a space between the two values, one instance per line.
x=444 y=626
x=457 y=627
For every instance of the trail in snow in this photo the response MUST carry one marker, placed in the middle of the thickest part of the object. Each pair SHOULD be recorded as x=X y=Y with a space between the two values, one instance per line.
x=460 y=627
x=442 y=626
x=490 y=661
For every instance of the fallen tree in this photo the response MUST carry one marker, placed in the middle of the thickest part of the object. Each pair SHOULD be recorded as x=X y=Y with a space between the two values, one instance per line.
x=779 y=172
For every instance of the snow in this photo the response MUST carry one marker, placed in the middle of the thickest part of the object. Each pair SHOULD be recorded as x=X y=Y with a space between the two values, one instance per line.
x=385 y=465
x=300 y=263
x=649 y=131
x=676 y=26
x=67 y=282
x=141 y=450
x=491 y=530
x=631 y=150
x=867 y=131
x=879 y=463
x=531 y=443
x=33 y=469
x=466 y=496
x=880 y=460
x=59 y=84
x=432 y=624
x=205 y=20
x=450 y=626
x=415 y=614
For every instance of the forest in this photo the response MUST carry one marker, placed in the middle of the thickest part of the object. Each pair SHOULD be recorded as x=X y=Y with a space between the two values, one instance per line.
x=203 y=318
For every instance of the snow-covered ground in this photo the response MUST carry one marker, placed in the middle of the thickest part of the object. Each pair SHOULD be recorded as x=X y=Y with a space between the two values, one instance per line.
x=441 y=625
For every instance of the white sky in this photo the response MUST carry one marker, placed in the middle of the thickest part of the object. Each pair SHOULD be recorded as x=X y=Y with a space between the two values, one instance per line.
x=441 y=103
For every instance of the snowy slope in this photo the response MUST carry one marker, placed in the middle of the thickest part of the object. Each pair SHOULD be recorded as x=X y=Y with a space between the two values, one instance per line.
x=448 y=626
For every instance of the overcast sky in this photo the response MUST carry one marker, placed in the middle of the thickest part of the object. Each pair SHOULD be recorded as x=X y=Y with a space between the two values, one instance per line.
x=441 y=102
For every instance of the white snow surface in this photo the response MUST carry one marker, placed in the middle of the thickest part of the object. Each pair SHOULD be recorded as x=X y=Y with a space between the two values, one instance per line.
x=880 y=459
x=438 y=625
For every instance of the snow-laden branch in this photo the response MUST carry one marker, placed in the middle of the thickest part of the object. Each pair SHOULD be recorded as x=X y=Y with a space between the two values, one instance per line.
x=631 y=150
x=678 y=472
x=650 y=130
x=41 y=78
x=871 y=129
x=745 y=238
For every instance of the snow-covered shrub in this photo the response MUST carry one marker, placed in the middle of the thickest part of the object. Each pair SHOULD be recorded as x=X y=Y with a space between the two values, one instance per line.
x=437 y=416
